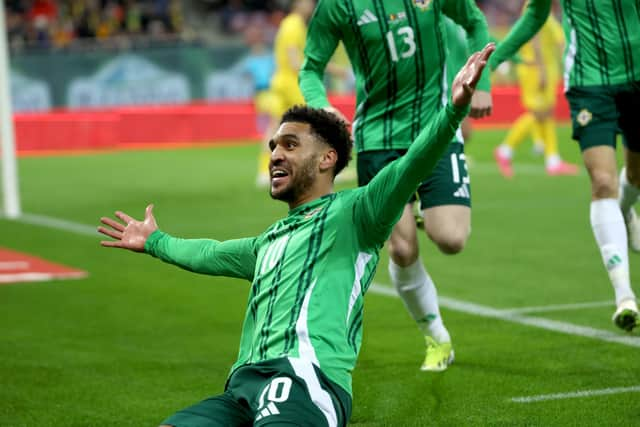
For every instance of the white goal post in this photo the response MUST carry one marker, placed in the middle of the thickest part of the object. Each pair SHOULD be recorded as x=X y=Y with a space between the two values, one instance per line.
x=11 y=196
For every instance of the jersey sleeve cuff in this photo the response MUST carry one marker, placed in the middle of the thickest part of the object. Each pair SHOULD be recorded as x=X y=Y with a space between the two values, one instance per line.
x=485 y=81
x=152 y=240
x=495 y=60
x=456 y=113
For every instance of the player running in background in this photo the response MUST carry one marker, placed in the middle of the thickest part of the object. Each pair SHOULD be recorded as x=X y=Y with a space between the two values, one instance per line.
x=602 y=85
x=309 y=271
x=283 y=91
x=258 y=65
x=398 y=52
x=539 y=76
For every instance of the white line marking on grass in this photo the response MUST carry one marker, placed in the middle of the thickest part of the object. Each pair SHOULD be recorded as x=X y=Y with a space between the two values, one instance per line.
x=558 y=307
x=575 y=394
x=489 y=168
x=59 y=224
x=383 y=290
x=13 y=265
x=39 y=277
x=537 y=322
x=483 y=168
x=571 y=329
x=450 y=303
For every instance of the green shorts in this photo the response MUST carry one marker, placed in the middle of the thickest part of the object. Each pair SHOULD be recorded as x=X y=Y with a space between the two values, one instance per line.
x=279 y=392
x=599 y=113
x=447 y=185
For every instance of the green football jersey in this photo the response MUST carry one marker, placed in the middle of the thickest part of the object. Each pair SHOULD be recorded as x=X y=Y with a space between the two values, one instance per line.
x=603 y=41
x=397 y=49
x=457 y=46
x=310 y=270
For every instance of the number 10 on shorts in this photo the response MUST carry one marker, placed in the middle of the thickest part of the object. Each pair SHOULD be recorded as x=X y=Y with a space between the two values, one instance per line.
x=277 y=391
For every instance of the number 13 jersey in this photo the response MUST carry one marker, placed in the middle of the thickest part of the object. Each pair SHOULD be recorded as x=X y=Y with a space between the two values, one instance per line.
x=397 y=49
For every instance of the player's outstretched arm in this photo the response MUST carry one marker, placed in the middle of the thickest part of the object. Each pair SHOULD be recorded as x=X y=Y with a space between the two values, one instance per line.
x=130 y=233
x=231 y=258
x=532 y=19
x=467 y=14
x=385 y=196
x=322 y=41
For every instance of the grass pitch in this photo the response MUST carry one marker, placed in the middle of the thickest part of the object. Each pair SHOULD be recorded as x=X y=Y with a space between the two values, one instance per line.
x=138 y=340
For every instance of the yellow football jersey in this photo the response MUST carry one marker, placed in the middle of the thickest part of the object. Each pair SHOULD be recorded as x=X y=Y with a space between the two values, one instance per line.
x=291 y=34
x=284 y=91
x=551 y=39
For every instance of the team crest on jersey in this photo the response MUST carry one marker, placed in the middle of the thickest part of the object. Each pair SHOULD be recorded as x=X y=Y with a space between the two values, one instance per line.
x=584 y=117
x=397 y=17
x=422 y=4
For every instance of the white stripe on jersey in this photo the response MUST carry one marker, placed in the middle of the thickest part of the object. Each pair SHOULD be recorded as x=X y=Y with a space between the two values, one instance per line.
x=459 y=136
x=570 y=57
x=305 y=348
x=361 y=263
x=319 y=396
x=445 y=99
x=356 y=121
x=444 y=86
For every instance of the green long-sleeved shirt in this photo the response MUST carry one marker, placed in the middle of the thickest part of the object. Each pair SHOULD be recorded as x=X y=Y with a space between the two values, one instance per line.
x=310 y=270
x=533 y=18
x=603 y=41
x=398 y=52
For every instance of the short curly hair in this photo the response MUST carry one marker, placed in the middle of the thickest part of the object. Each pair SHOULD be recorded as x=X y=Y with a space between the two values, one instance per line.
x=328 y=127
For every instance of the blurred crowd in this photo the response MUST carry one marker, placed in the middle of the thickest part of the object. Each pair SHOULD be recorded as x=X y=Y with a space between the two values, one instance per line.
x=238 y=15
x=61 y=23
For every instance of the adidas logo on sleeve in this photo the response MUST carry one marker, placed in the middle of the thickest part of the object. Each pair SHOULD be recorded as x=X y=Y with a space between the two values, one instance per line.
x=367 y=18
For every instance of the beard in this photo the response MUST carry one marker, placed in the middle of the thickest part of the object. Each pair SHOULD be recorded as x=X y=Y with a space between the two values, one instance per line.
x=299 y=182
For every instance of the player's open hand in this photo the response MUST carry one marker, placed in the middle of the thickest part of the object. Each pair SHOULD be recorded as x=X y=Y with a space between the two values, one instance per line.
x=464 y=85
x=132 y=234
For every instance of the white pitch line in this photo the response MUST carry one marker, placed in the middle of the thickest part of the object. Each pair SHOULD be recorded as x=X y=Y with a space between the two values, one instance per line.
x=14 y=265
x=557 y=307
x=537 y=322
x=488 y=168
x=39 y=277
x=59 y=224
x=575 y=394
x=483 y=168
x=450 y=303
